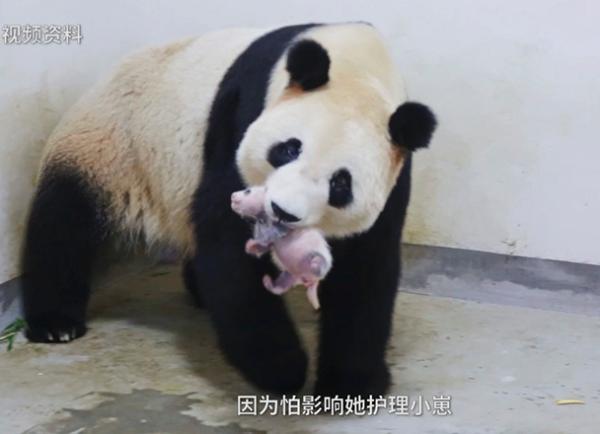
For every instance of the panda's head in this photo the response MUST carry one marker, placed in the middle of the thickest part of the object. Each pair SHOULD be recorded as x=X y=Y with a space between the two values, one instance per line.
x=330 y=145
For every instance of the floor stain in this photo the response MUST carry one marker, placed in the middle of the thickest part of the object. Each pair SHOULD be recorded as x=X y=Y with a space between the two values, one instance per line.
x=141 y=411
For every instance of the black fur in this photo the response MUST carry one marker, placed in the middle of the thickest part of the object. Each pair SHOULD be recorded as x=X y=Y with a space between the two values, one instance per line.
x=66 y=225
x=253 y=326
x=412 y=125
x=308 y=65
x=188 y=276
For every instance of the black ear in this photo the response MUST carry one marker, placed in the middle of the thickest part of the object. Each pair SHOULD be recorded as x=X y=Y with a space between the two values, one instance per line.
x=308 y=65
x=412 y=125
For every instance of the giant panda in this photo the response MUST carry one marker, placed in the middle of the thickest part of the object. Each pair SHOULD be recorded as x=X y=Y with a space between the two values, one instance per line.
x=315 y=112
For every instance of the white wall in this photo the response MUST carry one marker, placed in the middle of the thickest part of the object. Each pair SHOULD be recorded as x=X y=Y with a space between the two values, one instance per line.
x=513 y=168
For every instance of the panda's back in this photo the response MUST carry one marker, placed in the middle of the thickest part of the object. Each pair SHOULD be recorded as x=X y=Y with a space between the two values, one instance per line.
x=138 y=135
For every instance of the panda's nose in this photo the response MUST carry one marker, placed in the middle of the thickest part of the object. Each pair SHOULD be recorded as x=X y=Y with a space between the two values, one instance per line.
x=283 y=215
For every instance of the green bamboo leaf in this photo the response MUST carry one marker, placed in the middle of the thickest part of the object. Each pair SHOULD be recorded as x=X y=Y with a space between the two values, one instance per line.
x=11 y=331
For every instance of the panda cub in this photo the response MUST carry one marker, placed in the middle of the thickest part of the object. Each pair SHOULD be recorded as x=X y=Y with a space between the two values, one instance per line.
x=302 y=254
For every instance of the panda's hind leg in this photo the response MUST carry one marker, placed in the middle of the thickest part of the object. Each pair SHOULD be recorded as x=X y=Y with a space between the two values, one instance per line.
x=191 y=282
x=65 y=228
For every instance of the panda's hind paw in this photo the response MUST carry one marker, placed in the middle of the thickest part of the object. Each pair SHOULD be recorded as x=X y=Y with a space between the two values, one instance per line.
x=55 y=329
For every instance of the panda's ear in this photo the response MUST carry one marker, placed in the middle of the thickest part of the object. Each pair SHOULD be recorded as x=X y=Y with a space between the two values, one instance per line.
x=308 y=65
x=411 y=125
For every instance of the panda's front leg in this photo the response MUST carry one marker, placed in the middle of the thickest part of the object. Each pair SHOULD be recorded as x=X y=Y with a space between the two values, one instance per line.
x=253 y=327
x=357 y=300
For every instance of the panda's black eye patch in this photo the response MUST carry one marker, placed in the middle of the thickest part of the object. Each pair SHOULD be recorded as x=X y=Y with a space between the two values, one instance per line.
x=340 y=189
x=284 y=152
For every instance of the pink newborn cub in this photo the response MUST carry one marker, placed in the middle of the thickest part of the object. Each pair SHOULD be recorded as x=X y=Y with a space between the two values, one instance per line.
x=304 y=258
x=302 y=254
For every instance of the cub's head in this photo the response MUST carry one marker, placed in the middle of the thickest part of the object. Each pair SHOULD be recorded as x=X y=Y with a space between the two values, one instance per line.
x=333 y=137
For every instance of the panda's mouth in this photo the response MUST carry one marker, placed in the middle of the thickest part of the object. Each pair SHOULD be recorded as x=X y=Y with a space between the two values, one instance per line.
x=282 y=215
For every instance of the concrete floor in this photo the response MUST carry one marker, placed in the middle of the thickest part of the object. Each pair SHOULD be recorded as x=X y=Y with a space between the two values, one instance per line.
x=149 y=364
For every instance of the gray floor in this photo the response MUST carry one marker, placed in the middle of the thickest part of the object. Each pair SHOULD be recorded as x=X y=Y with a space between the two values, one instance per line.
x=150 y=365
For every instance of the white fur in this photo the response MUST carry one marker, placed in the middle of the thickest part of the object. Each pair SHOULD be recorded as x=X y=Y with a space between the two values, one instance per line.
x=140 y=133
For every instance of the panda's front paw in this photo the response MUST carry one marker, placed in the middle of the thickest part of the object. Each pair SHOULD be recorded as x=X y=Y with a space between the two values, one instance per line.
x=54 y=329
x=354 y=382
x=284 y=373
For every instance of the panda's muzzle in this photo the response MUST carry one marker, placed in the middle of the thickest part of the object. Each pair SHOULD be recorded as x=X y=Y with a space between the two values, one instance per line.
x=282 y=215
